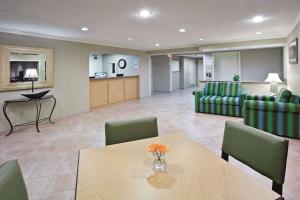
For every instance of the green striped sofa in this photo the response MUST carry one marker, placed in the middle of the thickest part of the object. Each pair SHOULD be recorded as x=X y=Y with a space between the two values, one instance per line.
x=274 y=116
x=222 y=98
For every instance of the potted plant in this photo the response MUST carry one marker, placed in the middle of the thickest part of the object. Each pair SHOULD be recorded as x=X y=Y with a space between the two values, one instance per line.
x=236 y=77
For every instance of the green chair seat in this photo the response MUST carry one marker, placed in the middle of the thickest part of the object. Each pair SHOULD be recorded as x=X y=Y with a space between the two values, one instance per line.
x=12 y=185
x=265 y=153
x=125 y=131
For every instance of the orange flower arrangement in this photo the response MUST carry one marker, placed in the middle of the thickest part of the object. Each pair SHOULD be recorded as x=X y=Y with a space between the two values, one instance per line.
x=158 y=151
x=157 y=148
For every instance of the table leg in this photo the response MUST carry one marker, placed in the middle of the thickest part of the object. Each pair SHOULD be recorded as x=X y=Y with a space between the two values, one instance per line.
x=54 y=104
x=6 y=116
x=38 y=112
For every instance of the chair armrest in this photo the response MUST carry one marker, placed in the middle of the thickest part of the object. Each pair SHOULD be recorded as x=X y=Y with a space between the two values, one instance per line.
x=260 y=98
x=272 y=106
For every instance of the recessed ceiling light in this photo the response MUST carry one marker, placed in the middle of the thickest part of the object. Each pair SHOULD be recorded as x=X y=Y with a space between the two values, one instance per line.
x=258 y=33
x=84 y=29
x=200 y=39
x=258 y=19
x=145 y=13
x=182 y=30
x=130 y=38
x=157 y=44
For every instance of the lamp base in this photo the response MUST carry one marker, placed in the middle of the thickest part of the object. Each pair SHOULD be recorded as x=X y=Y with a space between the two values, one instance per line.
x=274 y=88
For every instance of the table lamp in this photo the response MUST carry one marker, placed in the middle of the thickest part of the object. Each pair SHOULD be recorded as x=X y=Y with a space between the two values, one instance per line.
x=273 y=79
x=32 y=75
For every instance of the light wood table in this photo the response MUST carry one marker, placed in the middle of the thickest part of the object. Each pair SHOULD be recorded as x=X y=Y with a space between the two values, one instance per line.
x=124 y=172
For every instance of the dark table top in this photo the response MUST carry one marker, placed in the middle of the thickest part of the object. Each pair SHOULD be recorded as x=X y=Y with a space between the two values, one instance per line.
x=25 y=99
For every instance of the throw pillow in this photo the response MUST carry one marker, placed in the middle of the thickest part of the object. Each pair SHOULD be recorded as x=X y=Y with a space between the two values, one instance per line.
x=284 y=96
x=294 y=99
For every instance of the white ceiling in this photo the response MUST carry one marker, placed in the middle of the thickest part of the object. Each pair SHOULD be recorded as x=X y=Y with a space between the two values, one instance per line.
x=111 y=22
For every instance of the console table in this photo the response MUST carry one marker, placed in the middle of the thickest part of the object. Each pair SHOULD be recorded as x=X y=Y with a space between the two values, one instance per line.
x=38 y=105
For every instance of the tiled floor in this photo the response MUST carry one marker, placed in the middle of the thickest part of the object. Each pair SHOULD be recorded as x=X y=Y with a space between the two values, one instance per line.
x=49 y=159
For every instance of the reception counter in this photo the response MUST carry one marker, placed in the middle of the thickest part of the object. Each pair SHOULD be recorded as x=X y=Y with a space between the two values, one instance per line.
x=104 y=91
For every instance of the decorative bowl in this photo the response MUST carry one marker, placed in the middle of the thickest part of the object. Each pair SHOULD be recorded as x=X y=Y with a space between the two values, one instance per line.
x=38 y=95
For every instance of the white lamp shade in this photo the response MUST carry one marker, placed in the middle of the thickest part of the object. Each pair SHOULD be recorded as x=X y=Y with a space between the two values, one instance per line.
x=31 y=73
x=273 y=78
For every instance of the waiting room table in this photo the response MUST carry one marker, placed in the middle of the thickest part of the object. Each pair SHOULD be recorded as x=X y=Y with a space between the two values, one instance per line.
x=124 y=172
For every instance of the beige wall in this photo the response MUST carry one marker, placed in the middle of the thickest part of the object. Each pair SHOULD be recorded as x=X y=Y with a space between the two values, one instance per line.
x=293 y=70
x=71 y=72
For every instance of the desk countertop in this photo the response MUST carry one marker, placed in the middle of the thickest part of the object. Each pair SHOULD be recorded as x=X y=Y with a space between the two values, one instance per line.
x=119 y=77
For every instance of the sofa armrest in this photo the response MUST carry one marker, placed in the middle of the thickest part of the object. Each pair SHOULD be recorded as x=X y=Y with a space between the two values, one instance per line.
x=271 y=106
x=243 y=96
x=198 y=94
x=260 y=98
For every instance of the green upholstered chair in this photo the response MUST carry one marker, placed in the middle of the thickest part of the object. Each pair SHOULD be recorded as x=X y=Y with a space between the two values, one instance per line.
x=12 y=185
x=125 y=131
x=263 y=152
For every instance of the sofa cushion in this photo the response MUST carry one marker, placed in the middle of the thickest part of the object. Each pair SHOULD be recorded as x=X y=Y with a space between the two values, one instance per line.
x=272 y=106
x=284 y=96
x=260 y=98
x=235 y=101
x=294 y=99
x=231 y=89
x=213 y=88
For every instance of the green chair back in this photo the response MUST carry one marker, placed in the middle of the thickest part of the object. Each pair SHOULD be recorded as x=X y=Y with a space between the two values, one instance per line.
x=12 y=185
x=263 y=152
x=125 y=131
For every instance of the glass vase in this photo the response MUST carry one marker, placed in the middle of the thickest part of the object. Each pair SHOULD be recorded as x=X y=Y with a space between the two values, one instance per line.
x=159 y=163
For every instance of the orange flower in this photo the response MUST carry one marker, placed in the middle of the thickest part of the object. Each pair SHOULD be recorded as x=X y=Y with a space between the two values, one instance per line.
x=155 y=147
x=152 y=147
x=163 y=148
